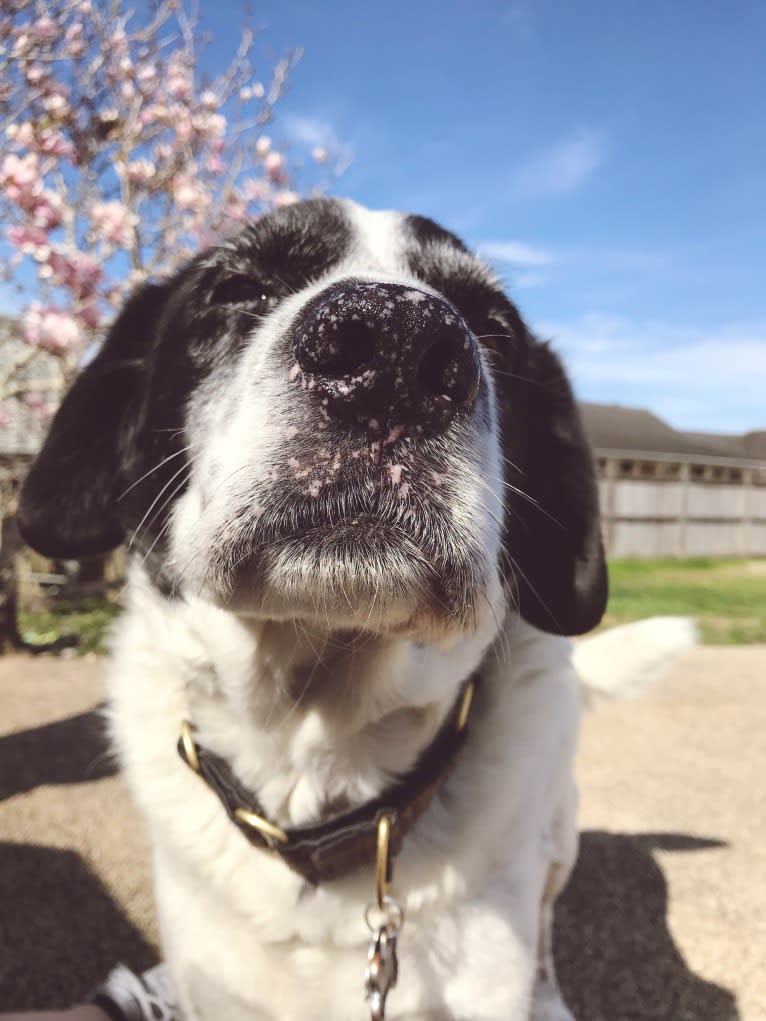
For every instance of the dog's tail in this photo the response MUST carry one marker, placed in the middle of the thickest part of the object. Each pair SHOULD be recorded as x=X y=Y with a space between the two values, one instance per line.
x=623 y=661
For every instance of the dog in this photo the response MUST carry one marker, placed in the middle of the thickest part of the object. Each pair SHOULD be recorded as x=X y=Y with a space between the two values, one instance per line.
x=362 y=520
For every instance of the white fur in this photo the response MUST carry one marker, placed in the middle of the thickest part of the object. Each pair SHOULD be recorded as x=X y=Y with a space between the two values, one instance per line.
x=622 y=662
x=242 y=934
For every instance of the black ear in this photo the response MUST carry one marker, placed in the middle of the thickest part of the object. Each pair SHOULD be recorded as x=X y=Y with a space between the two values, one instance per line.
x=555 y=557
x=67 y=505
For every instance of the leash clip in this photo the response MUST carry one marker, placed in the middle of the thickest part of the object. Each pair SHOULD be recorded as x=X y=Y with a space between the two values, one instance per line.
x=382 y=968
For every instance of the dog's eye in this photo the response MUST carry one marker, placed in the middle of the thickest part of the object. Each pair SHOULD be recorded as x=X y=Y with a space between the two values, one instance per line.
x=239 y=290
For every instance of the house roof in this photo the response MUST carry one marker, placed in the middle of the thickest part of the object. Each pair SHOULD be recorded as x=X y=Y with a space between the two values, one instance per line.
x=636 y=430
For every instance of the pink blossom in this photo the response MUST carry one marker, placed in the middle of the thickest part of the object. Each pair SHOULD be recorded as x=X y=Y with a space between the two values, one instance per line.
x=114 y=221
x=35 y=73
x=275 y=166
x=56 y=105
x=117 y=43
x=80 y=272
x=51 y=329
x=286 y=198
x=91 y=316
x=21 y=171
x=319 y=154
x=188 y=193
x=256 y=190
x=209 y=100
x=21 y=44
x=179 y=81
x=27 y=238
x=43 y=28
x=262 y=146
x=236 y=209
x=154 y=112
x=141 y=171
x=182 y=123
x=22 y=134
x=54 y=143
x=47 y=210
x=210 y=124
x=147 y=74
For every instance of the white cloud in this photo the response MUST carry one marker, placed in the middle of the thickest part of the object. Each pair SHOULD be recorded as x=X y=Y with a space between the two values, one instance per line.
x=560 y=169
x=529 y=279
x=712 y=380
x=315 y=132
x=517 y=253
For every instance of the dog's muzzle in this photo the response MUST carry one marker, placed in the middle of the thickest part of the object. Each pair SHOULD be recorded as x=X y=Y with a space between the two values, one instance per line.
x=386 y=355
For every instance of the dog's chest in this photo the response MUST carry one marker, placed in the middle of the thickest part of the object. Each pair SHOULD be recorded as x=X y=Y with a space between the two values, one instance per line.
x=452 y=962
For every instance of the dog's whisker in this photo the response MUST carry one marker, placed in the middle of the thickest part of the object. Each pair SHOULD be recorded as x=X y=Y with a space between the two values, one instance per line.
x=156 y=467
x=154 y=503
x=525 y=496
x=165 y=527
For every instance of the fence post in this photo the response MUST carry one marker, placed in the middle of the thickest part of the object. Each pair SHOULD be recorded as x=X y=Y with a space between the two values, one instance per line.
x=610 y=504
x=685 y=477
x=746 y=514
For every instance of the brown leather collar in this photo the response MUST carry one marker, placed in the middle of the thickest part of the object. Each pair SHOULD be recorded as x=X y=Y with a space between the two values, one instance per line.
x=330 y=849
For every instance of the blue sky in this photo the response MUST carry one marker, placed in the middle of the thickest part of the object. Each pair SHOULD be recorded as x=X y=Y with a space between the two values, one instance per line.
x=608 y=156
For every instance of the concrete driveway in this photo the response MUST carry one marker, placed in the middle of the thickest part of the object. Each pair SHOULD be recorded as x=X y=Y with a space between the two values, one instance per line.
x=664 y=920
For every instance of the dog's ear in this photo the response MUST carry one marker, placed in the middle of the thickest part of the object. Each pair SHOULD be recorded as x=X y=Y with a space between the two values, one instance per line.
x=67 y=505
x=553 y=533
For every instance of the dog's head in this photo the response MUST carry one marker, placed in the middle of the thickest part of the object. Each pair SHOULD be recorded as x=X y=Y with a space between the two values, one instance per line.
x=337 y=414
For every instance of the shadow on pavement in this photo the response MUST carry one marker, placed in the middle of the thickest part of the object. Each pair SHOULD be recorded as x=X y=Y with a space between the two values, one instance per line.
x=60 y=931
x=73 y=750
x=615 y=956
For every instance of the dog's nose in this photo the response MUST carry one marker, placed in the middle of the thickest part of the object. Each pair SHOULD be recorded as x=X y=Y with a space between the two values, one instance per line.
x=386 y=355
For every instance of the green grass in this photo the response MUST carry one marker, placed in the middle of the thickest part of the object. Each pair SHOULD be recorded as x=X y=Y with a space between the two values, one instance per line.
x=87 y=621
x=727 y=597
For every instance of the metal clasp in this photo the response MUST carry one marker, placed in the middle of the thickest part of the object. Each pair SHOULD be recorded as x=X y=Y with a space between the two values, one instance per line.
x=382 y=963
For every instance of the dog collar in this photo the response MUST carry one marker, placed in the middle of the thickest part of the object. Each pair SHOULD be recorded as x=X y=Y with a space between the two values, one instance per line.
x=342 y=843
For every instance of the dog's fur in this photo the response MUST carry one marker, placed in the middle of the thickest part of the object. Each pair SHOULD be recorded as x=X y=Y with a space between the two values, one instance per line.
x=313 y=593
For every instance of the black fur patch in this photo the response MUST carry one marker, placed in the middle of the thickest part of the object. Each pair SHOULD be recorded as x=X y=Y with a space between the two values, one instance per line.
x=424 y=231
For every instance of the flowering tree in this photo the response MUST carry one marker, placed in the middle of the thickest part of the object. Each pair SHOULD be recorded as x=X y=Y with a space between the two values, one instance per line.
x=120 y=159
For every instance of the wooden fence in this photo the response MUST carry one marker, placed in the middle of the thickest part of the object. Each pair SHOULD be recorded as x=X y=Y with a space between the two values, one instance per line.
x=656 y=506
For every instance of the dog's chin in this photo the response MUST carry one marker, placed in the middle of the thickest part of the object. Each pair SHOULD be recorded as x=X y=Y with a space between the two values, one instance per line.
x=361 y=575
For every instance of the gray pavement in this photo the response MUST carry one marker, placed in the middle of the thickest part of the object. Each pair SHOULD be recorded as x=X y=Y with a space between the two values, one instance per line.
x=664 y=920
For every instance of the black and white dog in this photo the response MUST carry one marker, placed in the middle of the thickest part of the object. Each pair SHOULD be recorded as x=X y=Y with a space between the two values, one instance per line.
x=355 y=488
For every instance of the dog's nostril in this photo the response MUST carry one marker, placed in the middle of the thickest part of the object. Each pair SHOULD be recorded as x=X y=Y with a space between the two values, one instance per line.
x=337 y=352
x=448 y=372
